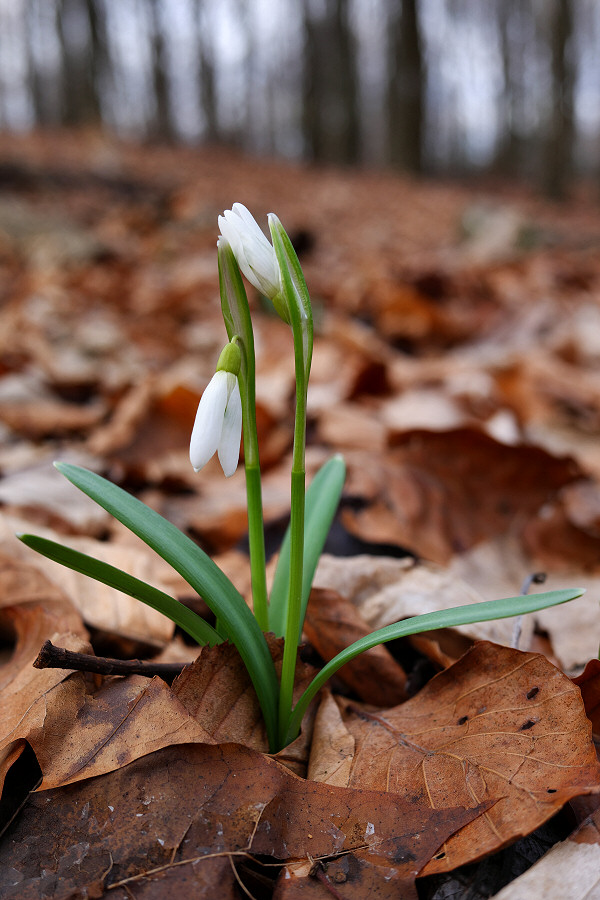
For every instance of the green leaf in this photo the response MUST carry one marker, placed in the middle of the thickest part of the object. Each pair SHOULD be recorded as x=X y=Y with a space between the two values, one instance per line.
x=322 y=499
x=191 y=623
x=200 y=572
x=446 y=618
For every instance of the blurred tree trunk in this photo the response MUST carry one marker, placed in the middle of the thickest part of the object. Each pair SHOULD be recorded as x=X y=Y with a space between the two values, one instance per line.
x=44 y=90
x=559 y=139
x=162 y=126
x=405 y=86
x=330 y=121
x=515 y=28
x=80 y=42
x=206 y=72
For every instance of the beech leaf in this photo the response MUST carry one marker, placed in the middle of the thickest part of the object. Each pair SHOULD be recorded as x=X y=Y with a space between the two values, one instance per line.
x=499 y=726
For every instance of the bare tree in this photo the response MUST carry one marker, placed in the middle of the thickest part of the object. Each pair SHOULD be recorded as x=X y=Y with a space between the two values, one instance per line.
x=559 y=138
x=79 y=36
x=162 y=125
x=405 y=86
x=206 y=71
x=330 y=97
x=516 y=28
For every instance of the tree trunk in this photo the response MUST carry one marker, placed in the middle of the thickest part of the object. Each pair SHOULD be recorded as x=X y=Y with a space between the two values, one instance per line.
x=162 y=126
x=80 y=104
x=558 y=150
x=405 y=87
x=330 y=103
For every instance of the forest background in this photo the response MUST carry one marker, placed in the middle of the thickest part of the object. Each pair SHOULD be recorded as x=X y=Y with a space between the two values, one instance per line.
x=437 y=86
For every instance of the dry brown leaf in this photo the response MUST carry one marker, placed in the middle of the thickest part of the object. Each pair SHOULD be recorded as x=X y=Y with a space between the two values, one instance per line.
x=442 y=492
x=212 y=702
x=589 y=685
x=422 y=408
x=125 y=423
x=575 y=862
x=387 y=590
x=573 y=628
x=128 y=718
x=566 y=867
x=217 y=692
x=101 y=607
x=332 y=623
x=164 y=820
x=51 y=418
x=351 y=425
x=42 y=494
x=499 y=727
x=333 y=747
x=554 y=542
x=32 y=610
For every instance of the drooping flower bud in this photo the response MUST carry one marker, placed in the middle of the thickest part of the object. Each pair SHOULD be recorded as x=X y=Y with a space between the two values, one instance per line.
x=218 y=425
x=254 y=254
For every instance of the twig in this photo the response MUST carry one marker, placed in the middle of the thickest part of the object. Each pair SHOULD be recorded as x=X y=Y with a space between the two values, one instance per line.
x=51 y=657
x=533 y=578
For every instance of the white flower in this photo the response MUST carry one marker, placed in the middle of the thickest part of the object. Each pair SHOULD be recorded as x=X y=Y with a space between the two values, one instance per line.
x=218 y=425
x=254 y=254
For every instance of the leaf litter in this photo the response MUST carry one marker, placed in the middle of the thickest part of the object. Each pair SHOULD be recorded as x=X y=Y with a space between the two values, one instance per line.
x=461 y=386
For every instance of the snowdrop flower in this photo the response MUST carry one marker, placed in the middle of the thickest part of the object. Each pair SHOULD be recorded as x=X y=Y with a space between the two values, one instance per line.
x=254 y=254
x=218 y=425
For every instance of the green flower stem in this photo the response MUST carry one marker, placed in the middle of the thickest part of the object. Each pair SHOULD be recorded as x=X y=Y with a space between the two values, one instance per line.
x=294 y=605
x=236 y=314
x=299 y=315
x=256 y=541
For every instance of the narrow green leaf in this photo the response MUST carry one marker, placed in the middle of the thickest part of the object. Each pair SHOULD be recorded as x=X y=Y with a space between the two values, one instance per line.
x=322 y=499
x=200 y=572
x=446 y=618
x=101 y=571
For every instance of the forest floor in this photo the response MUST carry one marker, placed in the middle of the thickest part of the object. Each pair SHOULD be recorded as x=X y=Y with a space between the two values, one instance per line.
x=457 y=369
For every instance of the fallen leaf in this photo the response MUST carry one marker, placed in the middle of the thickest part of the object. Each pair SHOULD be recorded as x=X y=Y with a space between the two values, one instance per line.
x=333 y=747
x=127 y=719
x=101 y=607
x=217 y=692
x=385 y=590
x=574 y=629
x=76 y=734
x=40 y=492
x=440 y=493
x=32 y=610
x=576 y=859
x=589 y=685
x=161 y=822
x=499 y=726
x=332 y=623
x=577 y=864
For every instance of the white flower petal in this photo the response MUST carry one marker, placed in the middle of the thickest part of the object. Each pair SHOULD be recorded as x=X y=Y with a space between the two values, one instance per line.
x=208 y=426
x=229 y=229
x=255 y=255
x=248 y=219
x=229 y=445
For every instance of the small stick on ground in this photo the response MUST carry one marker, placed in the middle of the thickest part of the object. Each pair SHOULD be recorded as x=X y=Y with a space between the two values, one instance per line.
x=534 y=578
x=51 y=657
